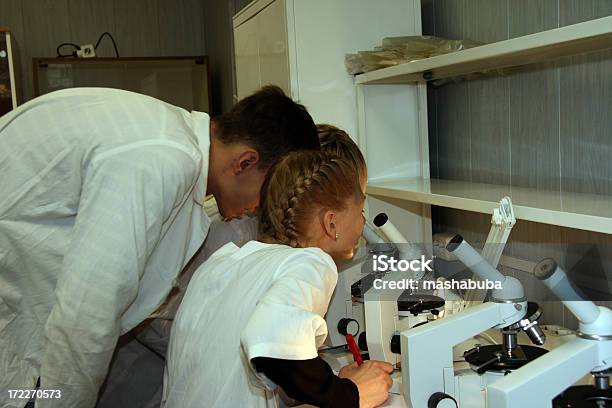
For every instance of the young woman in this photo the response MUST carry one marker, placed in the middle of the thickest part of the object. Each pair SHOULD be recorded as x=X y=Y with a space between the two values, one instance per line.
x=252 y=317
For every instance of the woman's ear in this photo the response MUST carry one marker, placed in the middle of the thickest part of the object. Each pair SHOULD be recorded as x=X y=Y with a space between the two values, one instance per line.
x=329 y=224
x=247 y=159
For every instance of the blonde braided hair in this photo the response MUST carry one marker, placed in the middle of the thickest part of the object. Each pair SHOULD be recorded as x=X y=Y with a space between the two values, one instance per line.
x=336 y=141
x=299 y=186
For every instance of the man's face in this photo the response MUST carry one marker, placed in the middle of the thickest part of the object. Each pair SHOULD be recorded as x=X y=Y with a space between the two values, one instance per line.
x=234 y=176
x=240 y=193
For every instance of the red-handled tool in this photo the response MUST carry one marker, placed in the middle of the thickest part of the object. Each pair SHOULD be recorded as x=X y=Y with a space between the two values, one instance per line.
x=343 y=329
x=350 y=340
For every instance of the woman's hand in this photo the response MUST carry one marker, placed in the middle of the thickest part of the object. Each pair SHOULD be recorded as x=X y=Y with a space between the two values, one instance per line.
x=373 y=381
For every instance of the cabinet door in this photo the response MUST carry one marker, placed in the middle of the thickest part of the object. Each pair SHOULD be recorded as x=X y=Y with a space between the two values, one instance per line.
x=272 y=34
x=246 y=47
x=325 y=31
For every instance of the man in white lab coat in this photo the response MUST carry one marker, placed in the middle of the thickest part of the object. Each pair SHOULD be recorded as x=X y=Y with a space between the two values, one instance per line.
x=101 y=197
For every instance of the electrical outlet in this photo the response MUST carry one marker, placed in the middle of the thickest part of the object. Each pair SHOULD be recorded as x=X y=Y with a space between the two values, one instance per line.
x=86 y=51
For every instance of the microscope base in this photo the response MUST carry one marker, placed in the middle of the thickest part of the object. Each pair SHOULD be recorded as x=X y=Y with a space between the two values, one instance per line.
x=583 y=396
x=471 y=387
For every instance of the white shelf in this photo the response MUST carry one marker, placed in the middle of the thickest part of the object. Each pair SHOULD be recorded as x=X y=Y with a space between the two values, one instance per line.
x=582 y=211
x=569 y=40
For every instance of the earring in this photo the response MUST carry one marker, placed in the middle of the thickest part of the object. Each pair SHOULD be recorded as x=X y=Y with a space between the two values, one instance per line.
x=337 y=235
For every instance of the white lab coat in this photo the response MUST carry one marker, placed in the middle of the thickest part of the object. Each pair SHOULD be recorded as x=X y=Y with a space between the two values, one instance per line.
x=156 y=335
x=136 y=371
x=99 y=210
x=239 y=231
x=261 y=300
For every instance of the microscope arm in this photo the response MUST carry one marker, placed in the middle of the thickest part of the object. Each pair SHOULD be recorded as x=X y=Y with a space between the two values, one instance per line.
x=380 y=306
x=427 y=351
x=539 y=382
x=425 y=374
x=382 y=319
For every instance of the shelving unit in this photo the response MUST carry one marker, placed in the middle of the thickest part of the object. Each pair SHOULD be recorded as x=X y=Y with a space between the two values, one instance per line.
x=570 y=40
x=572 y=210
x=393 y=135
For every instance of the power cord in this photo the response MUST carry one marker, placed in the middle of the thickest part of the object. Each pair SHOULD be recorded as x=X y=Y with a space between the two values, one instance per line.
x=72 y=54
x=78 y=47
x=112 y=39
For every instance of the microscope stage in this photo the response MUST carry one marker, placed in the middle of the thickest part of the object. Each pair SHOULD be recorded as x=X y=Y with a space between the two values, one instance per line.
x=415 y=303
x=494 y=358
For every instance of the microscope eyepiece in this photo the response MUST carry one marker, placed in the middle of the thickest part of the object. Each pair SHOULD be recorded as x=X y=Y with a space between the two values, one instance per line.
x=545 y=268
x=454 y=243
x=380 y=220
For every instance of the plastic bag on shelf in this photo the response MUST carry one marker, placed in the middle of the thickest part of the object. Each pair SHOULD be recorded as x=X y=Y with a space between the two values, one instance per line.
x=398 y=50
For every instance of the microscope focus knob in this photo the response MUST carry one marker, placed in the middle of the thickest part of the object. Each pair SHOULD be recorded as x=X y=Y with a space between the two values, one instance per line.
x=441 y=400
x=348 y=326
x=362 y=341
x=396 y=345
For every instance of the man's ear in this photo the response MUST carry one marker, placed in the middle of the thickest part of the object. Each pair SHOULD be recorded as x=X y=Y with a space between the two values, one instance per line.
x=246 y=160
x=328 y=221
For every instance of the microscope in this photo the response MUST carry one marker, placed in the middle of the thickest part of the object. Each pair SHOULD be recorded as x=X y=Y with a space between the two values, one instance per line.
x=346 y=309
x=392 y=309
x=540 y=383
x=357 y=306
x=428 y=375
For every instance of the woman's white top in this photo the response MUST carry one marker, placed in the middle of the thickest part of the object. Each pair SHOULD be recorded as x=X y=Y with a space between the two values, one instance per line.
x=261 y=300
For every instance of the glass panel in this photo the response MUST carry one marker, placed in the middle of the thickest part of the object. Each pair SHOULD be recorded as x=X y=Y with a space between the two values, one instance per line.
x=180 y=81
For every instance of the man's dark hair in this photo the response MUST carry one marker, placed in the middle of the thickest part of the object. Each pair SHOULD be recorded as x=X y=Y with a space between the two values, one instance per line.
x=271 y=123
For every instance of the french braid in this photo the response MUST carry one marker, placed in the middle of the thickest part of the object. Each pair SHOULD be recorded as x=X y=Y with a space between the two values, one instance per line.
x=296 y=187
